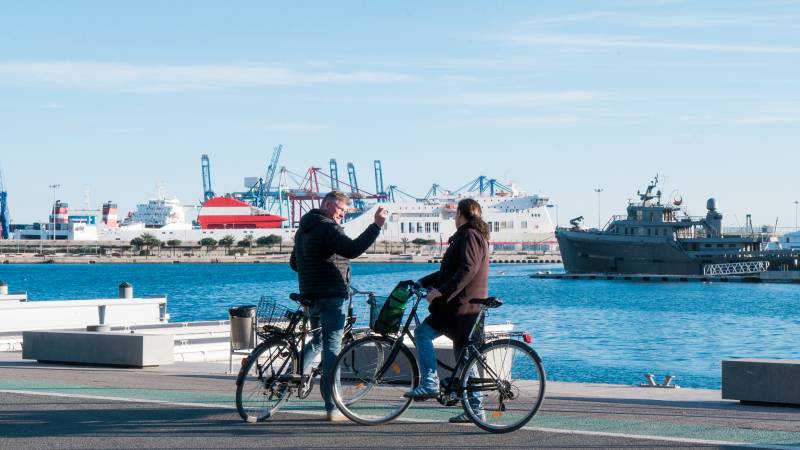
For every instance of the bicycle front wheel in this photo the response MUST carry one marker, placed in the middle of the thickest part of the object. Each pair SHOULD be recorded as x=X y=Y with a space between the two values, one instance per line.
x=369 y=382
x=264 y=381
x=503 y=386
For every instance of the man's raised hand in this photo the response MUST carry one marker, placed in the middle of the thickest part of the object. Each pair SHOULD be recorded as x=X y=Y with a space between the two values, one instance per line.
x=380 y=216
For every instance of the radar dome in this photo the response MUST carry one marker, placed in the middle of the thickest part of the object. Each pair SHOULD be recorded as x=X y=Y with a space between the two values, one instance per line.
x=711 y=204
x=677 y=200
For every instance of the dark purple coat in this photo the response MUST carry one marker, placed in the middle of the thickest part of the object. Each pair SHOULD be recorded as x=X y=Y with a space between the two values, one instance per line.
x=462 y=276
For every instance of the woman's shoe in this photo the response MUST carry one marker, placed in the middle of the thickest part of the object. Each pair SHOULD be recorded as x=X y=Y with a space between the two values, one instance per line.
x=422 y=393
x=462 y=418
x=336 y=416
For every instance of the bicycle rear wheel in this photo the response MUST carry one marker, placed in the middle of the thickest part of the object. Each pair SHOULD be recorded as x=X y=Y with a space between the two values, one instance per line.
x=369 y=383
x=503 y=387
x=263 y=383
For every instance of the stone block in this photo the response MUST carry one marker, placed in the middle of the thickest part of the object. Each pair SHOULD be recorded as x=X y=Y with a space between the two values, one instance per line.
x=101 y=348
x=761 y=380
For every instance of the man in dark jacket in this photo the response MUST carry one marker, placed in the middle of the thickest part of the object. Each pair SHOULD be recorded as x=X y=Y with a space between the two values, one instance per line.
x=321 y=258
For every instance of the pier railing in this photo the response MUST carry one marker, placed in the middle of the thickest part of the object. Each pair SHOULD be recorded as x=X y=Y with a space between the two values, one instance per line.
x=738 y=268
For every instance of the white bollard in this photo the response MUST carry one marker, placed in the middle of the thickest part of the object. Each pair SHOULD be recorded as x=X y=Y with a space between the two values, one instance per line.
x=125 y=290
x=3 y=288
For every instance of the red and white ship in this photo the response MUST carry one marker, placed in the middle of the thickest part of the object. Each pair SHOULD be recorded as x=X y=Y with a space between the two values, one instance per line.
x=230 y=213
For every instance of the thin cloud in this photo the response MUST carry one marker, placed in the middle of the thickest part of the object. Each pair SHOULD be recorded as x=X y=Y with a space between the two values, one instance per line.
x=606 y=41
x=666 y=20
x=457 y=78
x=521 y=99
x=296 y=127
x=158 y=78
x=524 y=121
x=760 y=119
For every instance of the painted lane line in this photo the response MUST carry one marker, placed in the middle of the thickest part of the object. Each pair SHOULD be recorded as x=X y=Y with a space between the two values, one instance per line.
x=413 y=420
x=120 y=399
x=665 y=438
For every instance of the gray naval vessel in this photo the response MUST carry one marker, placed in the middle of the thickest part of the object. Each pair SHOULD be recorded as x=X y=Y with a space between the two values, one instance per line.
x=661 y=239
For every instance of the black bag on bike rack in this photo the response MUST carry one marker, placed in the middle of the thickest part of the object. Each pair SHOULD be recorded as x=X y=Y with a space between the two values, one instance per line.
x=391 y=315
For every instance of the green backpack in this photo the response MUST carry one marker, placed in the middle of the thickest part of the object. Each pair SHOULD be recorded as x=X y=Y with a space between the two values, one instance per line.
x=391 y=315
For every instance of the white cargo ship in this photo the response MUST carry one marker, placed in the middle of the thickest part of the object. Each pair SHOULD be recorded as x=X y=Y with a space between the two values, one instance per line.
x=517 y=221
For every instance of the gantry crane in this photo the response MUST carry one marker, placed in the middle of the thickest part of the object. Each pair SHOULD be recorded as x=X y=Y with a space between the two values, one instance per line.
x=334 y=173
x=355 y=194
x=4 y=217
x=208 y=193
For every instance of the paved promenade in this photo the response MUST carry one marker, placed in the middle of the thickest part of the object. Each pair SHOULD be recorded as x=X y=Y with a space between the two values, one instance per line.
x=190 y=405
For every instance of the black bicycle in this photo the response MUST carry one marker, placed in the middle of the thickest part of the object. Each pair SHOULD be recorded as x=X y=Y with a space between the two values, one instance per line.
x=498 y=378
x=273 y=371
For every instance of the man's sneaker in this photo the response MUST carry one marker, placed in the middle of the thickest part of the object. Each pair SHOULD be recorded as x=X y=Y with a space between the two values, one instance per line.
x=462 y=418
x=422 y=393
x=336 y=416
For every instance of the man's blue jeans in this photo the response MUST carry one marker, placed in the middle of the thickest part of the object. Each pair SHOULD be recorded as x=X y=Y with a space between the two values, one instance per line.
x=428 y=377
x=328 y=315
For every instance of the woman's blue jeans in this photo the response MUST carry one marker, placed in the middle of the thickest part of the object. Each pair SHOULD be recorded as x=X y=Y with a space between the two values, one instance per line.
x=428 y=376
x=328 y=315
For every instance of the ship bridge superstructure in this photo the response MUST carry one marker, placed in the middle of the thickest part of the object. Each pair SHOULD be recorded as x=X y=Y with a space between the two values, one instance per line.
x=651 y=217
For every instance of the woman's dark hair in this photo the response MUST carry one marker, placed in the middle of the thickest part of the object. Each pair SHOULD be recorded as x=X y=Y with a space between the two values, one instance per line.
x=470 y=210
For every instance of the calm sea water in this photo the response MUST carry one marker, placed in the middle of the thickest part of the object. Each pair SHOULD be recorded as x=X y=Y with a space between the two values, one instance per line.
x=587 y=331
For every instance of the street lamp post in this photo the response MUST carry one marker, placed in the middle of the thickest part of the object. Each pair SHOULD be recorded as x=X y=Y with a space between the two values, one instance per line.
x=598 y=191
x=53 y=211
x=554 y=205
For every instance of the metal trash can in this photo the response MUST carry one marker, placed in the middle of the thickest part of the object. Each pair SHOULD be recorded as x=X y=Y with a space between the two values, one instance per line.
x=242 y=330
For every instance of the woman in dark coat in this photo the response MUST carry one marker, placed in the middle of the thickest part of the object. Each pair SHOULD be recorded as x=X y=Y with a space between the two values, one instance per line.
x=462 y=276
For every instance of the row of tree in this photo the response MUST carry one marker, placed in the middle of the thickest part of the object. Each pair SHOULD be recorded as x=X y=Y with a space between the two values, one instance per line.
x=147 y=241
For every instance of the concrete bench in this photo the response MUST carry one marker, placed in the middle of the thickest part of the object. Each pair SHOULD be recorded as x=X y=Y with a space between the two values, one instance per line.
x=101 y=348
x=761 y=380
x=14 y=297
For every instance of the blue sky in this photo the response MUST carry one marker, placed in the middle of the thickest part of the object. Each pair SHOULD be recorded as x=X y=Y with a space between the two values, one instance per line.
x=560 y=97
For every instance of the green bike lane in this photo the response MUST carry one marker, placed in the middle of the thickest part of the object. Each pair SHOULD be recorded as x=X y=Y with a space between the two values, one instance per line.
x=565 y=411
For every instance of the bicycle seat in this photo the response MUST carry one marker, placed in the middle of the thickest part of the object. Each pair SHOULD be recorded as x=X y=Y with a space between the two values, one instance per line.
x=490 y=302
x=300 y=299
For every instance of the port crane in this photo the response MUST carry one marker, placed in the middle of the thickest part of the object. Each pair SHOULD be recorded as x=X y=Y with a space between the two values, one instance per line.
x=484 y=184
x=4 y=217
x=394 y=189
x=379 y=182
x=357 y=196
x=208 y=193
x=435 y=191
x=272 y=197
x=334 y=172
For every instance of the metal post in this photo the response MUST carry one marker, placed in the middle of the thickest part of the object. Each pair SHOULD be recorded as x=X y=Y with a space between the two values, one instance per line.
x=554 y=205
x=53 y=215
x=125 y=290
x=795 y=214
x=598 y=190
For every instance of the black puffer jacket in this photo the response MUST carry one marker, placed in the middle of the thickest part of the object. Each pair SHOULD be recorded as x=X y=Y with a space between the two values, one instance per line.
x=322 y=253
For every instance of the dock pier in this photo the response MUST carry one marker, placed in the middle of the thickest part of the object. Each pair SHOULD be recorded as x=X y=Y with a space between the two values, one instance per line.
x=764 y=277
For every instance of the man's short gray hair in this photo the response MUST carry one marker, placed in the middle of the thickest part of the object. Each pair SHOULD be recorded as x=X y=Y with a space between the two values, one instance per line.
x=336 y=196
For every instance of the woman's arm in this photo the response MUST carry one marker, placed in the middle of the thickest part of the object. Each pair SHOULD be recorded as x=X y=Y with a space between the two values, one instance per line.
x=429 y=281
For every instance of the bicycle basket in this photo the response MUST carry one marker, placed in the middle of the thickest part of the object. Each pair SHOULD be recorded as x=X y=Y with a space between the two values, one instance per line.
x=273 y=316
x=364 y=310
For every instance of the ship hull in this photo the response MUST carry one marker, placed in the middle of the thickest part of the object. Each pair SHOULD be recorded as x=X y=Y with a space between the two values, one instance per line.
x=584 y=252
x=592 y=252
